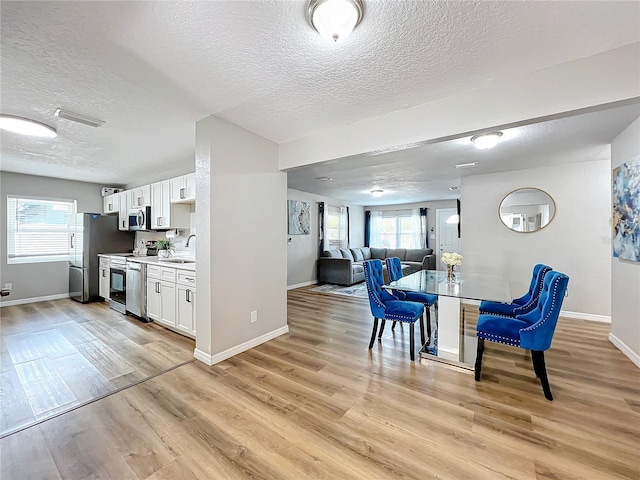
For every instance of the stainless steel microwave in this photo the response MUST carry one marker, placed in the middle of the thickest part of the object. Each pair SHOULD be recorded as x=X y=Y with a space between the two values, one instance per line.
x=140 y=218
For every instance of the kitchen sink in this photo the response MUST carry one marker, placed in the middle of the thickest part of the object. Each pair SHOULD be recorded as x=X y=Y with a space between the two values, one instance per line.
x=176 y=260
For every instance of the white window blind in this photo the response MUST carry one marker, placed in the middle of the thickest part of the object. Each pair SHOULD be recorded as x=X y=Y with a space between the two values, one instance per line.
x=336 y=227
x=38 y=229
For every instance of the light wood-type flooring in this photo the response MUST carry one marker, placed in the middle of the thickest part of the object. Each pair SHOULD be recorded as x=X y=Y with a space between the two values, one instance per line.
x=57 y=355
x=316 y=404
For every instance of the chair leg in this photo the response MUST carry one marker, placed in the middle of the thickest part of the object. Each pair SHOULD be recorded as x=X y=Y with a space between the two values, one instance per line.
x=422 y=339
x=373 y=334
x=412 y=343
x=479 y=358
x=393 y=325
x=428 y=309
x=541 y=370
x=381 y=328
x=535 y=366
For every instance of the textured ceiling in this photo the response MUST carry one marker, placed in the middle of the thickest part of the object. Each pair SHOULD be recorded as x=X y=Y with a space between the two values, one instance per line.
x=152 y=69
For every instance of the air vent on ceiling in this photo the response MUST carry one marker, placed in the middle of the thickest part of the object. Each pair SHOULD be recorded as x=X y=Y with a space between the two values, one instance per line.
x=76 y=117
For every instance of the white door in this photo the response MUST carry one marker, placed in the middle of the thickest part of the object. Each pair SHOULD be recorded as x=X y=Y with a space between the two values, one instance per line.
x=167 y=304
x=186 y=303
x=153 y=299
x=446 y=233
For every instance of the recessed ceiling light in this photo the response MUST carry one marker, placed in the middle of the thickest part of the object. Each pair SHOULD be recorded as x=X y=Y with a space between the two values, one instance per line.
x=454 y=188
x=486 y=140
x=76 y=117
x=377 y=192
x=467 y=165
x=26 y=126
x=324 y=179
x=335 y=19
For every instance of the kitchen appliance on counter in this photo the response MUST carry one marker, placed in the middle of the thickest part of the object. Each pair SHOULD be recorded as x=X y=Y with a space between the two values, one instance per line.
x=89 y=235
x=136 y=289
x=140 y=219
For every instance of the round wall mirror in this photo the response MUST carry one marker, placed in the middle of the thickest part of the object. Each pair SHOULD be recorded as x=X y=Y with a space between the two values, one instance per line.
x=527 y=210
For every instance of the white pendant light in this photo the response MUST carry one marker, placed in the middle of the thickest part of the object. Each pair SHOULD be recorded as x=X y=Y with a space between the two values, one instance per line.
x=26 y=126
x=335 y=19
x=486 y=140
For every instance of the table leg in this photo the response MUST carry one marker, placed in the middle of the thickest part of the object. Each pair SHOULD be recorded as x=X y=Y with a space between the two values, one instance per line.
x=449 y=328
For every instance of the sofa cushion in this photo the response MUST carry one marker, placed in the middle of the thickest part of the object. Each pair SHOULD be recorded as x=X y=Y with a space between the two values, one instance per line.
x=416 y=254
x=357 y=268
x=332 y=254
x=346 y=253
x=396 y=252
x=379 y=253
x=357 y=254
x=366 y=253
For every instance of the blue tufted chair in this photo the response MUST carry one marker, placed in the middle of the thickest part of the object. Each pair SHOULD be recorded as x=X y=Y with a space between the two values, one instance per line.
x=385 y=306
x=533 y=330
x=394 y=269
x=524 y=304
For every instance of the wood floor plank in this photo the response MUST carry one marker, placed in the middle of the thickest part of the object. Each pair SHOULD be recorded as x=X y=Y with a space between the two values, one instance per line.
x=82 y=377
x=15 y=411
x=25 y=455
x=106 y=360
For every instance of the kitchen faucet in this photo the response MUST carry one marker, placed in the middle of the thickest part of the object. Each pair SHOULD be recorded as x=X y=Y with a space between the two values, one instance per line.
x=190 y=237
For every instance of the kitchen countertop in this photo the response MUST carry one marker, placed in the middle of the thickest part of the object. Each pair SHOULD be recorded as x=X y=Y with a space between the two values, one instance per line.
x=156 y=261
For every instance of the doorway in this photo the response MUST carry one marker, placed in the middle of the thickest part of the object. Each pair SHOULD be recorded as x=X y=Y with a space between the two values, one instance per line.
x=446 y=233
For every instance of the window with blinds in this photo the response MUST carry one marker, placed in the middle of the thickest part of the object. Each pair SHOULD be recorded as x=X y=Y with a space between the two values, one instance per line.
x=38 y=229
x=335 y=228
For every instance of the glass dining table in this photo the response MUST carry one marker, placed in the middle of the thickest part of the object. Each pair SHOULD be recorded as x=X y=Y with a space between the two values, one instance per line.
x=452 y=341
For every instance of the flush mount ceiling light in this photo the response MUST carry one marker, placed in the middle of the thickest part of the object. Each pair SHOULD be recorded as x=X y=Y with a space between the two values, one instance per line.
x=466 y=165
x=76 y=117
x=26 y=126
x=486 y=140
x=377 y=192
x=335 y=19
x=324 y=179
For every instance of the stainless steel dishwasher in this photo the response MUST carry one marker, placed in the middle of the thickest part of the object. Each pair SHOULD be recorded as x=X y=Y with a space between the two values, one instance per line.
x=137 y=289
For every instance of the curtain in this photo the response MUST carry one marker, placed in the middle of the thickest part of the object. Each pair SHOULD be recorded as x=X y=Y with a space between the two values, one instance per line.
x=416 y=228
x=320 y=228
x=458 y=206
x=367 y=228
x=424 y=227
x=344 y=227
x=376 y=228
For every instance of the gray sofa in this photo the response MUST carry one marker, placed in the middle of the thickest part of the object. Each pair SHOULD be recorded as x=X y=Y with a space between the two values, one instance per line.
x=344 y=266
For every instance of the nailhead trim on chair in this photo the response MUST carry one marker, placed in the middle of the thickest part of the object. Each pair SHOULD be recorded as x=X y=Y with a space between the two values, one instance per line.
x=518 y=310
x=366 y=274
x=553 y=304
x=499 y=339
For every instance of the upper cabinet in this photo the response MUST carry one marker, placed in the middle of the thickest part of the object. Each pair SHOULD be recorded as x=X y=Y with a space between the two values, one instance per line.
x=141 y=196
x=111 y=203
x=123 y=213
x=183 y=188
x=164 y=215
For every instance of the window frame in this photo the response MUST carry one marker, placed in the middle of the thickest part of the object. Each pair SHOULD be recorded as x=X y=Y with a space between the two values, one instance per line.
x=397 y=216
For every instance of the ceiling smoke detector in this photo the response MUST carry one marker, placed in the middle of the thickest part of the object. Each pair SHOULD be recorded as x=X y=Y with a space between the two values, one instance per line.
x=335 y=19
x=486 y=140
x=76 y=117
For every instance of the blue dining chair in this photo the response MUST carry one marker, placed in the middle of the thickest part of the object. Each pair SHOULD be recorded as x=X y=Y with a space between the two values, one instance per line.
x=385 y=306
x=394 y=269
x=525 y=303
x=532 y=331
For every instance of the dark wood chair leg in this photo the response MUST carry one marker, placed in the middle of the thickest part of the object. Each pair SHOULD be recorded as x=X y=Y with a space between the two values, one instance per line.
x=373 y=334
x=479 y=358
x=541 y=370
x=393 y=325
x=535 y=366
x=381 y=328
x=428 y=309
x=412 y=343
x=422 y=338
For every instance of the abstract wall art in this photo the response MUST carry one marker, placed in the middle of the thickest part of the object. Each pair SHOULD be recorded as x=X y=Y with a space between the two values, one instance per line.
x=299 y=218
x=626 y=210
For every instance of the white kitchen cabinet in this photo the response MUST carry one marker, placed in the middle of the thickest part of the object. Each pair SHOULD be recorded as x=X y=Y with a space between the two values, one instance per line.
x=103 y=288
x=125 y=205
x=141 y=196
x=165 y=215
x=161 y=302
x=153 y=299
x=186 y=309
x=183 y=188
x=111 y=203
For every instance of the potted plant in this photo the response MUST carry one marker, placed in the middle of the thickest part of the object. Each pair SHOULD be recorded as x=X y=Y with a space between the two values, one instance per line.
x=165 y=248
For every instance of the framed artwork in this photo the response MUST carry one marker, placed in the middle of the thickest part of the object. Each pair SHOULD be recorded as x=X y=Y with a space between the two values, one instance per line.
x=299 y=218
x=626 y=210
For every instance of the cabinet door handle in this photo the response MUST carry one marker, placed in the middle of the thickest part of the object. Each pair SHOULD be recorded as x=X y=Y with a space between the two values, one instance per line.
x=139 y=201
x=72 y=235
x=188 y=295
x=159 y=221
x=157 y=287
x=182 y=193
x=104 y=274
x=110 y=206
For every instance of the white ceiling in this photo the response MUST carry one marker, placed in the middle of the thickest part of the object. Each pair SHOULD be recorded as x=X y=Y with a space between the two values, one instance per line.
x=150 y=70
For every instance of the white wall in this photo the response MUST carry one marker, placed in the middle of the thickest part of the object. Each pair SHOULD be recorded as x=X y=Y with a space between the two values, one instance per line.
x=576 y=242
x=241 y=248
x=625 y=275
x=31 y=280
x=302 y=251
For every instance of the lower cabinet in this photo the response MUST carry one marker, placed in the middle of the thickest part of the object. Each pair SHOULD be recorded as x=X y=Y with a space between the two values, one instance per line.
x=103 y=286
x=169 y=301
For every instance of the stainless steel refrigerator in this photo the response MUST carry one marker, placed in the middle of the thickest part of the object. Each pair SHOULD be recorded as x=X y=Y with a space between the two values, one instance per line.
x=89 y=235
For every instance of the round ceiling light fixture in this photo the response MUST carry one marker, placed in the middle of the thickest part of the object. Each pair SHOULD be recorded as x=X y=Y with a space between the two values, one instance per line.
x=377 y=192
x=335 y=19
x=26 y=126
x=486 y=140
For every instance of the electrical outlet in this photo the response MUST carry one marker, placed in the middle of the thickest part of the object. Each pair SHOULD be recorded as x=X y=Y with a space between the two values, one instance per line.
x=254 y=316
x=8 y=286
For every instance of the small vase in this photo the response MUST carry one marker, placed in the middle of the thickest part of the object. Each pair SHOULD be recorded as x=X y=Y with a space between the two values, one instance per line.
x=451 y=276
x=163 y=253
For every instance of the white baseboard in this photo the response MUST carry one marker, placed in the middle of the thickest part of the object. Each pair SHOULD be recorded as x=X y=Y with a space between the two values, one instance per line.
x=243 y=347
x=586 y=316
x=303 y=284
x=22 y=301
x=620 y=345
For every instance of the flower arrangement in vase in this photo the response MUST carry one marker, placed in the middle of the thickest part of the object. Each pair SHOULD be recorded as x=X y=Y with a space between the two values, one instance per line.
x=165 y=248
x=451 y=260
